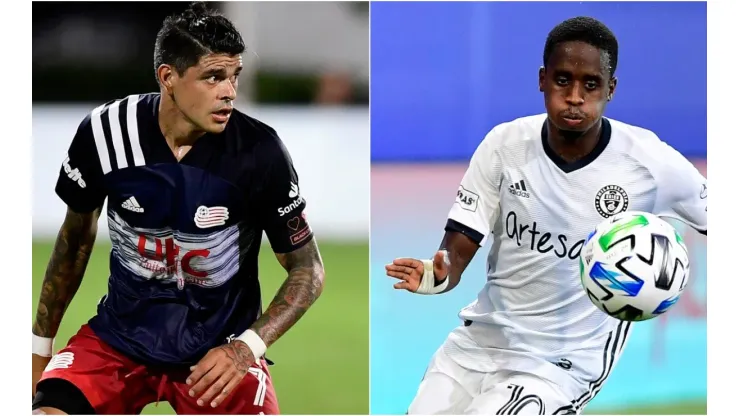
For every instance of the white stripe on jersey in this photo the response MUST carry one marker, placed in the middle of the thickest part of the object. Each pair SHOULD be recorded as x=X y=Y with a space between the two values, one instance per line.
x=116 y=136
x=133 y=131
x=170 y=256
x=99 y=135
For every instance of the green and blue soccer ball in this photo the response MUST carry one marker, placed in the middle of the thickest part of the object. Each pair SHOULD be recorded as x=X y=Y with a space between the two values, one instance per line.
x=634 y=266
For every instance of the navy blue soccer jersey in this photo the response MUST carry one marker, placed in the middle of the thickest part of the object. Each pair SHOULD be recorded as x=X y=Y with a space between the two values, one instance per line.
x=186 y=235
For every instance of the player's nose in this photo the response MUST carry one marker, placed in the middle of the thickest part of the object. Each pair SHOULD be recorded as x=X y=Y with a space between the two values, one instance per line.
x=228 y=91
x=575 y=96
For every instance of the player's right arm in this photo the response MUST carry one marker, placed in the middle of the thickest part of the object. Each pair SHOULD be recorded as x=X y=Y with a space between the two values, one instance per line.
x=469 y=222
x=682 y=190
x=80 y=186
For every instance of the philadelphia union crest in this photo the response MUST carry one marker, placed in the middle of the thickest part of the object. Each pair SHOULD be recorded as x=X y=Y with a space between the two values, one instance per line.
x=611 y=200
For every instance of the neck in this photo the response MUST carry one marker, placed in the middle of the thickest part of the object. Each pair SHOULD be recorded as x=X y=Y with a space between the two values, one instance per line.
x=178 y=131
x=570 y=145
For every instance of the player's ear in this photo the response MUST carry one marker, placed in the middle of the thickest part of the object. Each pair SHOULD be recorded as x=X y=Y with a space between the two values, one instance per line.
x=612 y=88
x=165 y=75
x=542 y=78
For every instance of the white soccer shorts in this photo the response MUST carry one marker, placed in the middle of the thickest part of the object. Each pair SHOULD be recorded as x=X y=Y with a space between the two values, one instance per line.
x=448 y=388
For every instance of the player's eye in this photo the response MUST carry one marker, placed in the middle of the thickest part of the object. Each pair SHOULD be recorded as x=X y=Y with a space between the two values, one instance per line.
x=562 y=81
x=215 y=78
x=592 y=85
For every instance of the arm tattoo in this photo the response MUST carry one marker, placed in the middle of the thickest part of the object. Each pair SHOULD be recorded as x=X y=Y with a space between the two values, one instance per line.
x=65 y=270
x=303 y=286
x=460 y=250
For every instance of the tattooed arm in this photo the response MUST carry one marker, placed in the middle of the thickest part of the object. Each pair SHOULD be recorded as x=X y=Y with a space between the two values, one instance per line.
x=63 y=276
x=300 y=290
x=212 y=381
x=65 y=270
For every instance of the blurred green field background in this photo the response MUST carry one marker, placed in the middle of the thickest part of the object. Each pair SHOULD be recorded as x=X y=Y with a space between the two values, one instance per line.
x=321 y=363
x=685 y=408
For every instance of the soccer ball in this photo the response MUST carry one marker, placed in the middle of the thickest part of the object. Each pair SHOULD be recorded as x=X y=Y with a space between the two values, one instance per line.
x=634 y=266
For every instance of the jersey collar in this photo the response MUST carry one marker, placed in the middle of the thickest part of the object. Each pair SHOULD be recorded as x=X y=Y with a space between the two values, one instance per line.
x=567 y=167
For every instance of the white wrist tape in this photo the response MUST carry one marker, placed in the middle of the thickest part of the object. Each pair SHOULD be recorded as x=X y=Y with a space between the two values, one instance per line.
x=428 y=281
x=42 y=346
x=254 y=342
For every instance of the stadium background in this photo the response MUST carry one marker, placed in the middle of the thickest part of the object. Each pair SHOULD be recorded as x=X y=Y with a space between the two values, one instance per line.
x=306 y=74
x=443 y=74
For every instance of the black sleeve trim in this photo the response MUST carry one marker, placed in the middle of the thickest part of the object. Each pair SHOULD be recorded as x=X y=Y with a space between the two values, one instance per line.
x=463 y=229
x=703 y=232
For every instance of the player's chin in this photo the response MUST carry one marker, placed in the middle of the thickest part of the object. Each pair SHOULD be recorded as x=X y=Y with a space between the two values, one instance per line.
x=215 y=127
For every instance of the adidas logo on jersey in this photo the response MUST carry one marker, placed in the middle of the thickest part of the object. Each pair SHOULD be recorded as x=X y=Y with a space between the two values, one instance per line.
x=73 y=174
x=519 y=189
x=132 y=204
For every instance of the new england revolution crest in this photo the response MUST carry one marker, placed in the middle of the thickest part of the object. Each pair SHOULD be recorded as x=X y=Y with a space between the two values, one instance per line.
x=611 y=200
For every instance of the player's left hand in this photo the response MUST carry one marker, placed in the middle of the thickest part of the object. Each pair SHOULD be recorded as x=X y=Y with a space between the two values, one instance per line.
x=219 y=372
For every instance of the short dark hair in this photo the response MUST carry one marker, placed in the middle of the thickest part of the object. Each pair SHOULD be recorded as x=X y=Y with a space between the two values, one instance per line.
x=186 y=37
x=587 y=30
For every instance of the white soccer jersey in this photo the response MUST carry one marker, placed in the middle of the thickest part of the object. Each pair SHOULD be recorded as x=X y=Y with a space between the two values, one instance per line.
x=538 y=210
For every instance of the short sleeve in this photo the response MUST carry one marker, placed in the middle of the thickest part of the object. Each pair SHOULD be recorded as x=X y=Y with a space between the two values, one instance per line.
x=80 y=183
x=476 y=206
x=285 y=222
x=682 y=190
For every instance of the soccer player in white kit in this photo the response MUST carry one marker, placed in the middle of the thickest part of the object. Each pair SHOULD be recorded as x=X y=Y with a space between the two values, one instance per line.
x=532 y=342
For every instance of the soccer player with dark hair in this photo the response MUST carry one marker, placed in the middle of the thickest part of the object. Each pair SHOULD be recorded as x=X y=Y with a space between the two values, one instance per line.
x=533 y=342
x=191 y=184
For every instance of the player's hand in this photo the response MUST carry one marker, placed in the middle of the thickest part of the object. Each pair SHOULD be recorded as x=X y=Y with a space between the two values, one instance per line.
x=410 y=271
x=38 y=364
x=219 y=373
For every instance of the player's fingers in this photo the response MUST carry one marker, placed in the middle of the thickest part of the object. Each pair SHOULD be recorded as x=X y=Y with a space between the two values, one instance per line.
x=401 y=269
x=402 y=285
x=398 y=275
x=205 y=381
x=226 y=391
x=198 y=370
x=413 y=263
x=215 y=389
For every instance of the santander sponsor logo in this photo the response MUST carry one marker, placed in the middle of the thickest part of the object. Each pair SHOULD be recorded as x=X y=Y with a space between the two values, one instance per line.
x=288 y=208
x=293 y=193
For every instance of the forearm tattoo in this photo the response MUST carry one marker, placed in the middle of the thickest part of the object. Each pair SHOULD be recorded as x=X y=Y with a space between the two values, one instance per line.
x=64 y=272
x=303 y=286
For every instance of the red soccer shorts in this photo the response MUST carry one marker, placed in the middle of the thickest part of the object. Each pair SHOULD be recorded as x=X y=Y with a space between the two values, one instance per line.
x=113 y=384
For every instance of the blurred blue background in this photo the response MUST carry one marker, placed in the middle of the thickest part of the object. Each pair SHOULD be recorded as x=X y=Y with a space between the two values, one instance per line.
x=443 y=74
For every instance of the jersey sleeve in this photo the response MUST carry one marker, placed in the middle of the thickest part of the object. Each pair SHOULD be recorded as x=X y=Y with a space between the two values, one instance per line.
x=80 y=183
x=682 y=190
x=285 y=222
x=476 y=206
